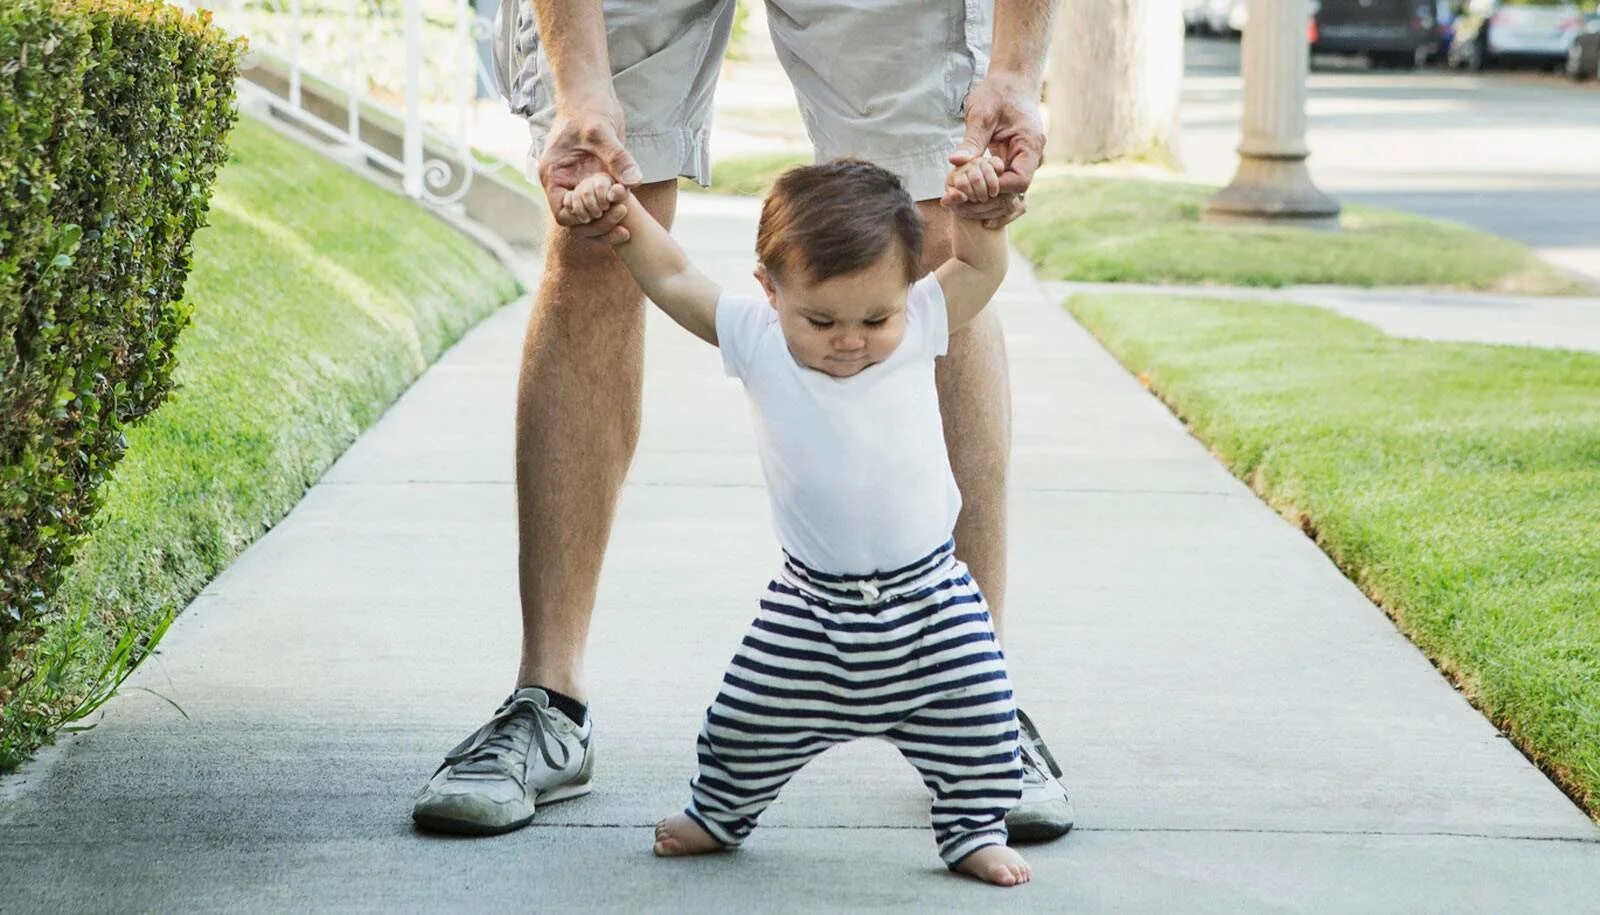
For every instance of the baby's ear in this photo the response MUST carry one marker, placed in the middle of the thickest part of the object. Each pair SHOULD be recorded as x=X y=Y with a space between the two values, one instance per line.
x=765 y=279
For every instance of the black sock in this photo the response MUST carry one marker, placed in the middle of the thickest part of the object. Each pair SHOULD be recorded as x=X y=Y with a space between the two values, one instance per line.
x=567 y=705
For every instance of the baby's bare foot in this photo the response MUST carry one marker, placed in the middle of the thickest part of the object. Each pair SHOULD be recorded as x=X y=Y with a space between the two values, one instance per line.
x=996 y=864
x=678 y=835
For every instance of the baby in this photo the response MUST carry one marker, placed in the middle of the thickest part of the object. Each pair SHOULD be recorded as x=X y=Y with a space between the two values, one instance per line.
x=872 y=627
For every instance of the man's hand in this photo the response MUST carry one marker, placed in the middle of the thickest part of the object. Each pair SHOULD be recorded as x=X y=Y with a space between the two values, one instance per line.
x=584 y=141
x=1002 y=118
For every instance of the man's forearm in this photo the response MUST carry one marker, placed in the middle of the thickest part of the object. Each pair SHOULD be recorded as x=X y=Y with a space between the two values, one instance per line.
x=1021 y=38
x=573 y=34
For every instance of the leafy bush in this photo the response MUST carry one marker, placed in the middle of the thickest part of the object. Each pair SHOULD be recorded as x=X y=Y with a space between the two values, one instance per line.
x=114 y=117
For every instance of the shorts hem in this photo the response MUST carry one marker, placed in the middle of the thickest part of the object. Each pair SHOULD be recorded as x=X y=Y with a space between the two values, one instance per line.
x=662 y=156
x=923 y=172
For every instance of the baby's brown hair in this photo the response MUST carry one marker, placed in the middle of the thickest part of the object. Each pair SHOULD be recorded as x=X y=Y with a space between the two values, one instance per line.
x=828 y=220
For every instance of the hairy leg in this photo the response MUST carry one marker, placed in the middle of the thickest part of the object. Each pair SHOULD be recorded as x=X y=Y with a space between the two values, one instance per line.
x=577 y=426
x=975 y=399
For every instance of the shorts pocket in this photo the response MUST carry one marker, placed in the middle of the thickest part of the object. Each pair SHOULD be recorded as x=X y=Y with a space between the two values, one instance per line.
x=971 y=30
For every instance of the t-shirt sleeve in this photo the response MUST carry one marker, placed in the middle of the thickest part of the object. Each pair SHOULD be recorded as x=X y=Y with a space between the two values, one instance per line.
x=930 y=316
x=741 y=321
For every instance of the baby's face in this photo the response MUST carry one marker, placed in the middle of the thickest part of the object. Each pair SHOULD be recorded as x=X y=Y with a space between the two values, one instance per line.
x=843 y=324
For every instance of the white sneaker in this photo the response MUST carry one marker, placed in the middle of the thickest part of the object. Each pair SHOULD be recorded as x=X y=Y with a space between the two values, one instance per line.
x=527 y=754
x=1045 y=811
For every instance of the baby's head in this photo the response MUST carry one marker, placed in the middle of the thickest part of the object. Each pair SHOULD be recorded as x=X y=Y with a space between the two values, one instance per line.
x=840 y=245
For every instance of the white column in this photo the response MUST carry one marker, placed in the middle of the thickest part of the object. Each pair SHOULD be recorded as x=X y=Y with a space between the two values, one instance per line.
x=294 y=53
x=411 y=155
x=1272 y=182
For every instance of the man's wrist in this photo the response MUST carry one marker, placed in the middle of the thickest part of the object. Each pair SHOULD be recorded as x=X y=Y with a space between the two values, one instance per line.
x=1018 y=83
x=589 y=99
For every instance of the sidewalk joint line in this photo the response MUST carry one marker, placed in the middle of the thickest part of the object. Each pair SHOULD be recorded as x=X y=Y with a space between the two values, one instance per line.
x=1176 y=830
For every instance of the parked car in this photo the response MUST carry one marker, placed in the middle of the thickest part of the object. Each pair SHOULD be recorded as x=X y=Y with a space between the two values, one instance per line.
x=1402 y=33
x=1493 y=32
x=1583 y=58
x=1224 y=17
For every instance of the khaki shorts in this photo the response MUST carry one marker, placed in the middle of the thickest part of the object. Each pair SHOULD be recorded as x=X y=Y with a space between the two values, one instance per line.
x=885 y=81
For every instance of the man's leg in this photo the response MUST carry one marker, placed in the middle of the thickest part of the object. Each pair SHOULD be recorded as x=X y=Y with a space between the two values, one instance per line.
x=975 y=399
x=577 y=425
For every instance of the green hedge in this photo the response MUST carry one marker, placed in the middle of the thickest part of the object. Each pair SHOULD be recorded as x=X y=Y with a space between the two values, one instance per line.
x=114 y=116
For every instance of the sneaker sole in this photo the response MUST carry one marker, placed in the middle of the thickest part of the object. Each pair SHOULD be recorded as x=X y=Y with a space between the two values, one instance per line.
x=431 y=823
x=1037 y=829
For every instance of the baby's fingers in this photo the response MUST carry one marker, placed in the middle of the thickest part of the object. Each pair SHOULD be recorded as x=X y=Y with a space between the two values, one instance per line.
x=572 y=208
x=977 y=189
x=991 y=174
x=592 y=196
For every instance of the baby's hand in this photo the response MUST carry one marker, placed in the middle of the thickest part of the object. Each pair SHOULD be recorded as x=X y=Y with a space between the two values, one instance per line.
x=592 y=198
x=977 y=181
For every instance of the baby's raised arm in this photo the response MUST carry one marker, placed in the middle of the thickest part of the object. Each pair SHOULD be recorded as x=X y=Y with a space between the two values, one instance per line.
x=657 y=263
x=978 y=256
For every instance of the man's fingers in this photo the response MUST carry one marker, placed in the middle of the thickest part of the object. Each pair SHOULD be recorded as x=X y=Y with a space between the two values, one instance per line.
x=593 y=231
x=621 y=165
x=966 y=151
x=1019 y=171
x=971 y=213
x=994 y=206
x=1016 y=206
x=613 y=216
x=980 y=130
x=571 y=218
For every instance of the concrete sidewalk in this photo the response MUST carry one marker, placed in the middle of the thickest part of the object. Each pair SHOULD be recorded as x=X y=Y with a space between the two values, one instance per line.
x=1242 y=729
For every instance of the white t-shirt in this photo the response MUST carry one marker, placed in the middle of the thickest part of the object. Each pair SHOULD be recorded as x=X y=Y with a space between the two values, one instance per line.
x=856 y=467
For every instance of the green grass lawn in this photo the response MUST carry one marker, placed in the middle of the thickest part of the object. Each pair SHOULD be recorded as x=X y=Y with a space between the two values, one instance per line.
x=747 y=176
x=1102 y=228
x=1457 y=484
x=318 y=298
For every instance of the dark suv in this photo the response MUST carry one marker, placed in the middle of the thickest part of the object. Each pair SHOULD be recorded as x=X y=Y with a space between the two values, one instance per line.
x=1391 y=33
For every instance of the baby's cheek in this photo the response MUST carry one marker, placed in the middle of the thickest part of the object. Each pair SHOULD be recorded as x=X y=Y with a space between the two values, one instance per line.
x=890 y=341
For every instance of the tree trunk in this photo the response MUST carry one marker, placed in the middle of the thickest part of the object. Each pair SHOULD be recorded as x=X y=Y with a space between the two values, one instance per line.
x=1114 y=79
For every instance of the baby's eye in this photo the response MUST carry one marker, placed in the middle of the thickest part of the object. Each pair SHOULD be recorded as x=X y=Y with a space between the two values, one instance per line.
x=877 y=322
x=820 y=325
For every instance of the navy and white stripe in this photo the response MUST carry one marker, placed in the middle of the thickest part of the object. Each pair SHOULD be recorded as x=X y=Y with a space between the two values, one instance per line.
x=908 y=656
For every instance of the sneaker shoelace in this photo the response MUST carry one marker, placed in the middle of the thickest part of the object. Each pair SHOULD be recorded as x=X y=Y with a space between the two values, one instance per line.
x=1036 y=758
x=1032 y=769
x=519 y=722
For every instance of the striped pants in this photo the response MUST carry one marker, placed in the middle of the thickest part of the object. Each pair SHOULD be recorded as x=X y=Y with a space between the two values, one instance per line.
x=908 y=656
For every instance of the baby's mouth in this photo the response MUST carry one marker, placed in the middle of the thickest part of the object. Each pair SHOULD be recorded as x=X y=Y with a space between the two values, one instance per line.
x=844 y=368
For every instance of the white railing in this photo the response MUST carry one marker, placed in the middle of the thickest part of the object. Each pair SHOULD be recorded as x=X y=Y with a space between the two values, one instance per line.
x=414 y=64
